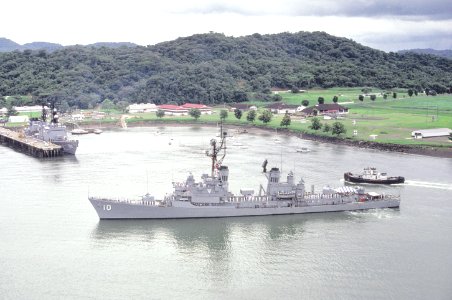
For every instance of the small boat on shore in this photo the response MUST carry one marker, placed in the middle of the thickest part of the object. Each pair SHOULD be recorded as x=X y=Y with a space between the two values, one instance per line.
x=303 y=150
x=371 y=175
x=79 y=131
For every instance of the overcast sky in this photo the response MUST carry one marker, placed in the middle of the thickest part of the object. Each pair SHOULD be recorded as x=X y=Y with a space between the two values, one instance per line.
x=387 y=25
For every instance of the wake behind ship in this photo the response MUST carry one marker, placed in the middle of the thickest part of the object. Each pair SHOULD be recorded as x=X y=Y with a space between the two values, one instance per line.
x=211 y=198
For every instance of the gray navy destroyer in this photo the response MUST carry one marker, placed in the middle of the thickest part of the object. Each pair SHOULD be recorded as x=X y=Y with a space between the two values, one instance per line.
x=210 y=197
x=52 y=132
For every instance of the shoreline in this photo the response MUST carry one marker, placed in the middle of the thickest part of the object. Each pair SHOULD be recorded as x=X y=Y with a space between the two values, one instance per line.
x=443 y=152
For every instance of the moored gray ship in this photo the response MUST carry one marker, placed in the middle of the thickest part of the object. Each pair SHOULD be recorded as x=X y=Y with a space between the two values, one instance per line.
x=51 y=132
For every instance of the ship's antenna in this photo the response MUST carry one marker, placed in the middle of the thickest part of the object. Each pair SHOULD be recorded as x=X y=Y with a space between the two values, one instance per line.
x=216 y=150
x=43 y=112
x=147 y=182
x=223 y=144
x=281 y=159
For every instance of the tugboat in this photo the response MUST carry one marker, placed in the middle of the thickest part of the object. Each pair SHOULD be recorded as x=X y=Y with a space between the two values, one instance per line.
x=211 y=198
x=370 y=175
x=52 y=132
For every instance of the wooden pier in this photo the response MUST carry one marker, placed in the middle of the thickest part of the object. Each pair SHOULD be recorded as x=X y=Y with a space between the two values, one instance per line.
x=29 y=145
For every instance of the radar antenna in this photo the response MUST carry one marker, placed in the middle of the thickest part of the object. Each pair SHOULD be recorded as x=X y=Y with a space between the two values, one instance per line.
x=48 y=102
x=54 y=113
x=217 y=150
x=43 y=113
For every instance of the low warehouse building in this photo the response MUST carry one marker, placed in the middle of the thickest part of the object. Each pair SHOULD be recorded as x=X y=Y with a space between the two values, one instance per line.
x=426 y=133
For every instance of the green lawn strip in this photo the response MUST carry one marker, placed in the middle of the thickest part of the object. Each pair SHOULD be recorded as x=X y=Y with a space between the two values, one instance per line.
x=391 y=120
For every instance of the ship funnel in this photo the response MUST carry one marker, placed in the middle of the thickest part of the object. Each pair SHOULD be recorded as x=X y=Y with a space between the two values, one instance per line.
x=273 y=181
x=223 y=174
x=190 y=180
x=274 y=176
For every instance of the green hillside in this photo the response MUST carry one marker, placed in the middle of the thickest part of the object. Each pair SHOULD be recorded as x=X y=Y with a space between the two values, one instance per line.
x=213 y=68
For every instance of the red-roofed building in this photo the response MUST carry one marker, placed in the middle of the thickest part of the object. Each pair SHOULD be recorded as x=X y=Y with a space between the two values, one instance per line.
x=173 y=110
x=326 y=109
x=204 y=109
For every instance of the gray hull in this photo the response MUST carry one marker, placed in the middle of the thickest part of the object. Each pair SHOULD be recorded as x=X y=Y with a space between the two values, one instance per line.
x=69 y=147
x=107 y=209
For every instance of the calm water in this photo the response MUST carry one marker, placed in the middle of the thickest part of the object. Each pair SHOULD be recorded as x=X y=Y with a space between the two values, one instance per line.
x=53 y=245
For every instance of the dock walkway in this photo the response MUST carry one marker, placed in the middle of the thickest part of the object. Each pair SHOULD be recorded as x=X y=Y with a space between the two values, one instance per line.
x=29 y=145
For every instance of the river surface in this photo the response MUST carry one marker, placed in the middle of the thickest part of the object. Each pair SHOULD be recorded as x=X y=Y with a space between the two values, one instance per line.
x=53 y=246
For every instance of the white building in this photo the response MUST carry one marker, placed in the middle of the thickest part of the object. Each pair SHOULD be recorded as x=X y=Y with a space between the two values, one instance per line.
x=142 y=108
x=282 y=108
x=18 y=119
x=78 y=117
x=426 y=133
x=28 y=109
x=98 y=115
x=300 y=108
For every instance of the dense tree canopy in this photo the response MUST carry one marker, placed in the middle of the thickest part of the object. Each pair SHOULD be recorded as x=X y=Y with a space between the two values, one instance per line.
x=265 y=116
x=338 y=128
x=223 y=114
x=315 y=124
x=285 y=120
x=251 y=116
x=213 y=68
x=160 y=113
x=238 y=113
x=195 y=113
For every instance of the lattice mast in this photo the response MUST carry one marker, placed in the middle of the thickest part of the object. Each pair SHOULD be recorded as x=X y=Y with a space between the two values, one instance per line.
x=217 y=150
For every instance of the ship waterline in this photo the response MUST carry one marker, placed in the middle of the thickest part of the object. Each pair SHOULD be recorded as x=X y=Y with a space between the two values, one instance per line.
x=110 y=209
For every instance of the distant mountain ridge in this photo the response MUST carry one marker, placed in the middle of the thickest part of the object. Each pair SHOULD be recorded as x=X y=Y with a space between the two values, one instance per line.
x=112 y=45
x=441 y=53
x=213 y=68
x=7 y=45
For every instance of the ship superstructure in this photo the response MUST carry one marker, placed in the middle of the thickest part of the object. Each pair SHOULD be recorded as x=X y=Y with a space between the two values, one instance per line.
x=52 y=132
x=210 y=197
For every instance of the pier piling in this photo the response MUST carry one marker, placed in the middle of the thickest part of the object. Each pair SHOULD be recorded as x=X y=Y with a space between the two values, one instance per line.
x=29 y=145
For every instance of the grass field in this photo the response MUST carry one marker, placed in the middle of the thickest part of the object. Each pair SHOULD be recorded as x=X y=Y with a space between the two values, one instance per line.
x=391 y=120
x=343 y=94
